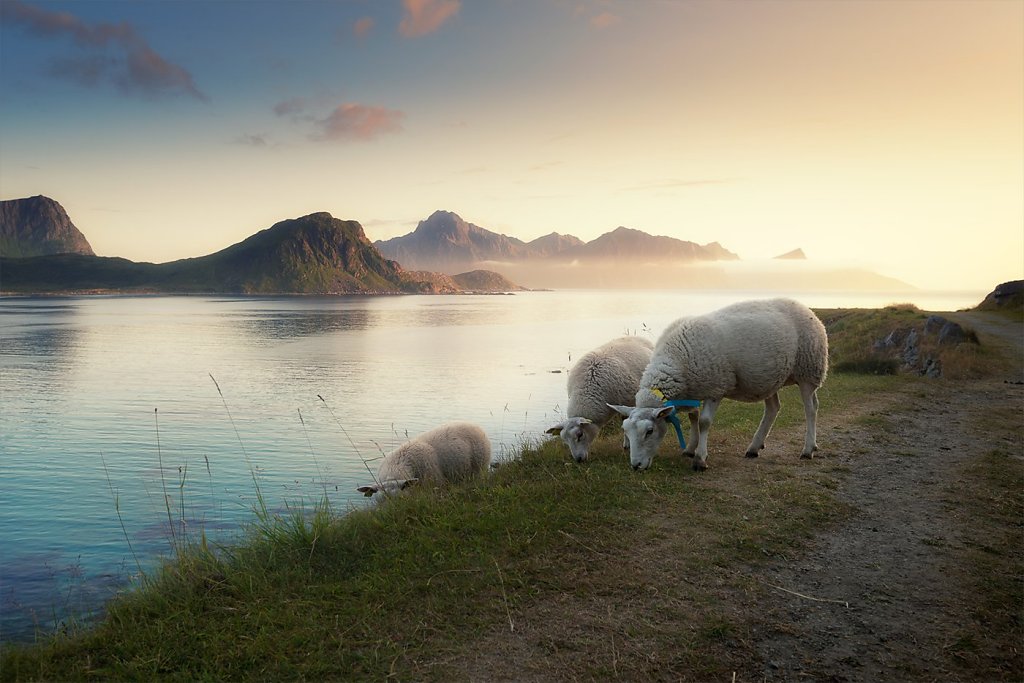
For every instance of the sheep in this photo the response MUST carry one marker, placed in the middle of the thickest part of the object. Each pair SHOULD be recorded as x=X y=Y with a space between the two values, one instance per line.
x=608 y=374
x=450 y=453
x=746 y=352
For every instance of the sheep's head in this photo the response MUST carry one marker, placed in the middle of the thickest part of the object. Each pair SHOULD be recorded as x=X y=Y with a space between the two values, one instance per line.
x=577 y=433
x=645 y=428
x=388 y=487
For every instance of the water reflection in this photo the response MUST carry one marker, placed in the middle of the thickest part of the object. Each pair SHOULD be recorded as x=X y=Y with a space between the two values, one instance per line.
x=275 y=325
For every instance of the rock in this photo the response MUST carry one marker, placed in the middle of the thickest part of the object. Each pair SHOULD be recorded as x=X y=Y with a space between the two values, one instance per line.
x=933 y=324
x=932 y=368
x=910 y=349
x=952 y=334
x=892 y=340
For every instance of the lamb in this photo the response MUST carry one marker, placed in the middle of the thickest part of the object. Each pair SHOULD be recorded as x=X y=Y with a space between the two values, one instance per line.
x=746 y=352
x=450 y=453
x=608 y=374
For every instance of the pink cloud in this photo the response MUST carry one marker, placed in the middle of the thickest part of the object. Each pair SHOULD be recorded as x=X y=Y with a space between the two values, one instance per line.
x=604 y=20
x=359 y=122
x=362 y=26
x=426 y=16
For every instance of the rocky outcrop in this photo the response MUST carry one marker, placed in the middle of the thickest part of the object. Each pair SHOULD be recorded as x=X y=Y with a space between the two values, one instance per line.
x=1006 y=296
x=38 y=226
x=916 y=348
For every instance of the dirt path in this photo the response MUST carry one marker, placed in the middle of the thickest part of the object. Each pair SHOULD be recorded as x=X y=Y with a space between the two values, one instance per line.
x=897 y=561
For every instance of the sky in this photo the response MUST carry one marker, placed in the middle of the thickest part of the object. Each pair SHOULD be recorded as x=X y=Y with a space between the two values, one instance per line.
x=880 y=135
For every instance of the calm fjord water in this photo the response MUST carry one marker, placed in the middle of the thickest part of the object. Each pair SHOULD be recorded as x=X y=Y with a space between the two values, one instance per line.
x=97 y=392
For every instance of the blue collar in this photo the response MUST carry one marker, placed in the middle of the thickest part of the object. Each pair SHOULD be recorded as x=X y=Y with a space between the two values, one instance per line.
x=674 y=419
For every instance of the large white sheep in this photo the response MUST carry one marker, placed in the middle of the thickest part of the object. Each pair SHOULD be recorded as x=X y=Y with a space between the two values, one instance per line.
x=746 y=352
x=608 y=374
x=449 y=453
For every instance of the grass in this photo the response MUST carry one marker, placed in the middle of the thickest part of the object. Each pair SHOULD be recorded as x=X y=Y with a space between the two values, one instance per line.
x=314 y=595
x=853 y=333
x=449 y=575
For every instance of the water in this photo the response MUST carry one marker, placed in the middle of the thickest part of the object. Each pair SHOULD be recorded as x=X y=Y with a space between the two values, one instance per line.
x=109 y=413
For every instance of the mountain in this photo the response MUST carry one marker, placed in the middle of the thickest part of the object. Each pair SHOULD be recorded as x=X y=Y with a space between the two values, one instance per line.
x=314 y=254
x=446 y=243
x=795 y=255
x=36 y=226
x=626 y=245
x=553 y=243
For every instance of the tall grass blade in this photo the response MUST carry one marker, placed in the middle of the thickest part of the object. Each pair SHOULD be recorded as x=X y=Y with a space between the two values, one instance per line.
x=117 y=509
x=344 y=431
x=163 y=481
x=316 y=463
x=262 y=511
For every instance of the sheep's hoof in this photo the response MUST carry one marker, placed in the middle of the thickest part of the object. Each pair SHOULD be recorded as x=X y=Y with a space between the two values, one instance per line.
x=806 y=456
x=752 y=454
x=699 y=465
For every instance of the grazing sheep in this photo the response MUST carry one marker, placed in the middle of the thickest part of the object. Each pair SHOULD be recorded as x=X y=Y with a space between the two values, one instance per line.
x=452 y=452
x=608 y=374
x=746 y=352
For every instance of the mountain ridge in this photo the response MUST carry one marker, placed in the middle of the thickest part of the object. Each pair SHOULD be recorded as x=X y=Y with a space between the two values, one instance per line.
x=445 y=242
x=313 y=254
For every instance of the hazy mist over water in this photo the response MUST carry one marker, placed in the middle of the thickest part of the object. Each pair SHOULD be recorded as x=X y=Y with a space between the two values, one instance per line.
x=91 y=385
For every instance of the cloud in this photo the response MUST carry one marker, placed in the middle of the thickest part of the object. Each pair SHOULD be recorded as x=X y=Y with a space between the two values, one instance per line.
x=112 y=53
x=292 y=107
x=358 y=122
x=604 y=20
x=426 y=16
x=362 y=26
x=252 y=140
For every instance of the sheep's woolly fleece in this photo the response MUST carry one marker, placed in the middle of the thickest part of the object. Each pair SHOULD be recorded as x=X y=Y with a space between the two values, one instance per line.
x=608 y=374
x=746 y=352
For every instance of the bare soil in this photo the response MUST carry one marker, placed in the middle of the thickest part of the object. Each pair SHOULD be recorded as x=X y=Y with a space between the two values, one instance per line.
x=888 y=594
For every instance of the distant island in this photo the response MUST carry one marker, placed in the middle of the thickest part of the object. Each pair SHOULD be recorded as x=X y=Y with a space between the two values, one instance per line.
x=41 y=251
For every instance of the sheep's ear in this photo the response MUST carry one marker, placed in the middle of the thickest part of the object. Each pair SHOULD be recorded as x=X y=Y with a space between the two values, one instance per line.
x=664 y=412
x=621 y=410
x=406 y=483
x=367 y=490
x=556 y=430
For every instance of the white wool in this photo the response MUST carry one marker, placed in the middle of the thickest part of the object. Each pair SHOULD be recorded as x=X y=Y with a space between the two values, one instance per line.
x=746 y=352
x=450 y=453
x=608 y=374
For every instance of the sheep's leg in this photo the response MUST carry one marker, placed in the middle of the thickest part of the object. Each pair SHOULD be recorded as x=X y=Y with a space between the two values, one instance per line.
x=707 y=414
x=809 y=394
x=694 y=433
x=771 y=411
